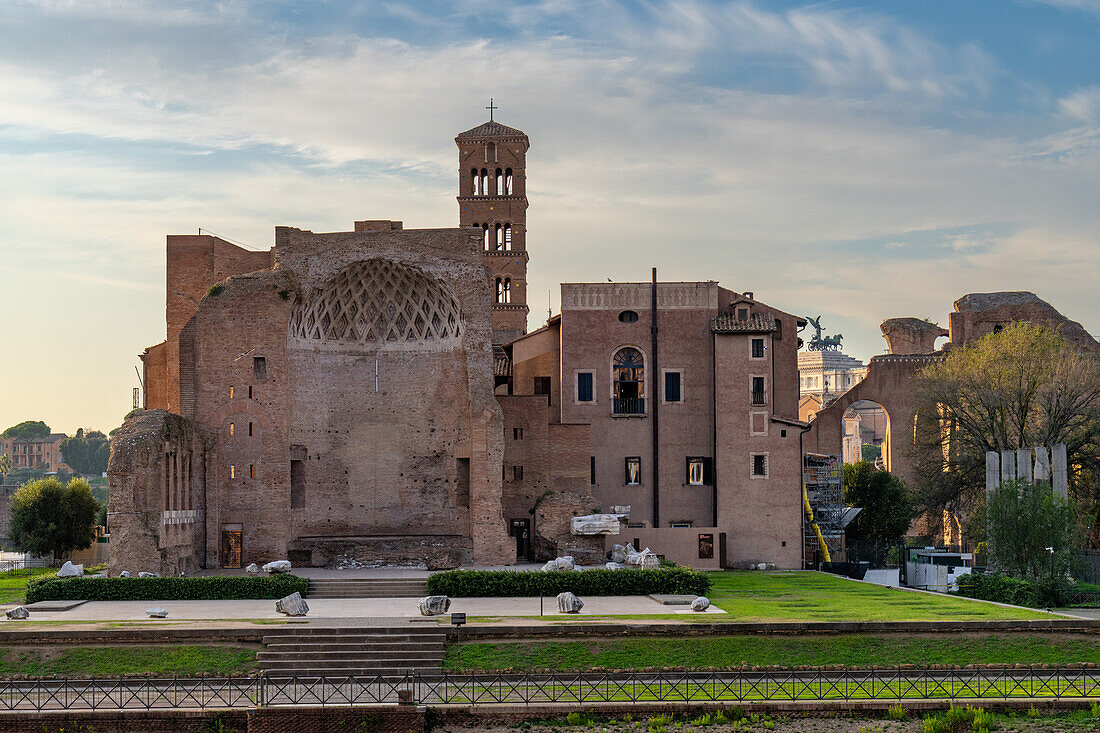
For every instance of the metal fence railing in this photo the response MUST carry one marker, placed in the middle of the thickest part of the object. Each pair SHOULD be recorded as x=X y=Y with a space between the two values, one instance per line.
x=587 y=688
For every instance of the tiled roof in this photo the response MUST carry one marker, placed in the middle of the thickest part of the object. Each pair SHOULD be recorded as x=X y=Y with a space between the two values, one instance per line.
x=756 y=323
x=491 y=129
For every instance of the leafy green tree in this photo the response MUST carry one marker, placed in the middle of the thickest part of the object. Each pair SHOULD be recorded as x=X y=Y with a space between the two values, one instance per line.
x=869 y=452
x=1022 y=387
x=5 y=465
x=1024 y=522
x=26 y=430
x=87 y=452
x=19 y=476
x=888 y=510
x=51 y=518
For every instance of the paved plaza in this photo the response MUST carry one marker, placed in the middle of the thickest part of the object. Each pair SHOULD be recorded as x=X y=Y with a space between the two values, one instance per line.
x=358 y=608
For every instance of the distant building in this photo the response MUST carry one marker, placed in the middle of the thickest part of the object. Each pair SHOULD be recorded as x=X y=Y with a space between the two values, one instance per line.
x=43 y=453
x=828 y=373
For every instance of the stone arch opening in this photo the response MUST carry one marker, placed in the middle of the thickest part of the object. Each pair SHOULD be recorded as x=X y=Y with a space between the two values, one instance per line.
x=867 y=433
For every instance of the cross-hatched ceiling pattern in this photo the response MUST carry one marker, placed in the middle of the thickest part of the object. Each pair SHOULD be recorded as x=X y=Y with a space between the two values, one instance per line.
x=377 y=302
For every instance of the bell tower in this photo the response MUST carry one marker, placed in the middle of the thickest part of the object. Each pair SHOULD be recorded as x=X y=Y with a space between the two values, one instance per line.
x=492 y=198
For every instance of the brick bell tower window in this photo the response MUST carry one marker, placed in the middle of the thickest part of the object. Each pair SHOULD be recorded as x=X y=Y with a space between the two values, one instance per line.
x=378 y=303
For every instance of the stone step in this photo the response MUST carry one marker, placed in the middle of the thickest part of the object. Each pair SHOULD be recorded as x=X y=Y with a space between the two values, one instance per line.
x=355 y=637
x=366 y=588
x=339 y=674
x=356 y=664
x=336 y=646
x=277 y=654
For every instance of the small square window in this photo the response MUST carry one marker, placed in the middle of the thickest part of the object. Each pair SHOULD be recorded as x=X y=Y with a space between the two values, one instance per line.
x=517 y=433
x=517 y=473
x=633 y=471
x=759 y=465
x=758 y=348
x=584 y=387
x=672 y=387
x=742 y=314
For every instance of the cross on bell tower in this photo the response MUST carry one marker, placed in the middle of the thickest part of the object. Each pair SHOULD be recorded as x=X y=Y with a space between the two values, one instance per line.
x=492 y=198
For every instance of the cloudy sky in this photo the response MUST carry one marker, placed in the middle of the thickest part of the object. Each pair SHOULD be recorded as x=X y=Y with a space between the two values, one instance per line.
x=859 y=161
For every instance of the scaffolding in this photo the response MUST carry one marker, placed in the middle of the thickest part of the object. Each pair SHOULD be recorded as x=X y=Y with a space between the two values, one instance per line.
x=823 y=486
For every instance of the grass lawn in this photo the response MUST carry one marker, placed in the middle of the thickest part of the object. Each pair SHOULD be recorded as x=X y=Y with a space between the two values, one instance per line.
x=13 y=583
x=810 y=596
x=855 y=650
x=100 y=661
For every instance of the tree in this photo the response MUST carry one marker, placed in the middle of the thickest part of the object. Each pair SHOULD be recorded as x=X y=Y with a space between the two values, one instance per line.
x=1025 y=386
x=888 y=510
x=87 y=452
x=1025 y=521
x=51 y=518
x=27 y=430
x=5 y=465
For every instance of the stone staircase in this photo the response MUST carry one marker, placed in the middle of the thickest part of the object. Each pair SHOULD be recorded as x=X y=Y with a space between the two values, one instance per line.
x=367 y=588
x=338 y=652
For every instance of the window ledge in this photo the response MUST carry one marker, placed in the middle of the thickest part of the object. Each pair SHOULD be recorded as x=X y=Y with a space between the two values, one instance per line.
x=628 y=414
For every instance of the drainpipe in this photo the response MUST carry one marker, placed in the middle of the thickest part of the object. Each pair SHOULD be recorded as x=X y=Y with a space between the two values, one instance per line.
x=654 y=400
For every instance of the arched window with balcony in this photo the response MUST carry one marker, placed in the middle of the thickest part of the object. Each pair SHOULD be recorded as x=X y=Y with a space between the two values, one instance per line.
x=628 y=381
x=507 y=236
x=508 y=182
x=500 y=182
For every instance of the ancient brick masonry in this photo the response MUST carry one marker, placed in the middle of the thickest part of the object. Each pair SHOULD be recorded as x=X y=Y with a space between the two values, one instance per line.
x=347 y=394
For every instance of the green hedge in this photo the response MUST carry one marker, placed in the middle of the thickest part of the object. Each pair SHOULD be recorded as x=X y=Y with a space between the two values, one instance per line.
x=207 y=588
x=1016 y=591
x=600 y=582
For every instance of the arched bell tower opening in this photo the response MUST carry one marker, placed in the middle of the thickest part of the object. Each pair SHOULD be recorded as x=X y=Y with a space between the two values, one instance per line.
x=492 y=198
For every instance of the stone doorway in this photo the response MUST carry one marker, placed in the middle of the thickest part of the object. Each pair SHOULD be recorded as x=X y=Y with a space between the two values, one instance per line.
x=232 y=545
x=521 y=530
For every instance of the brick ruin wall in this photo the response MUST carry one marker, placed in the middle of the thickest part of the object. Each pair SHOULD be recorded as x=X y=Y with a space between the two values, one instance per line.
x=156 y=475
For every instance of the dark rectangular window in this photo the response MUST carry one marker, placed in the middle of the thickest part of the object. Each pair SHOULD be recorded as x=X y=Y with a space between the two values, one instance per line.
x=633 y=471
x=542 y=387
x=584 y=386
x=758 y=348
x=517 y=433
x=250 y=391
x=758 y=390
x=517 y=473
x=759 y=465
x=250 y=429
x=592 y=470
x=259 y=367
x=297 y=484
x=672 y=386
x=251 y=471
